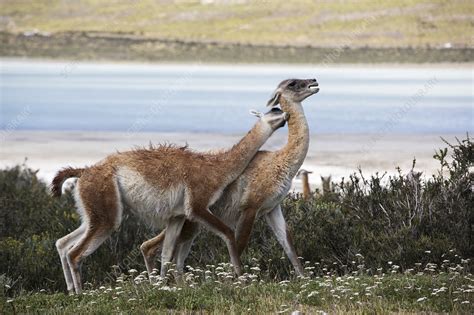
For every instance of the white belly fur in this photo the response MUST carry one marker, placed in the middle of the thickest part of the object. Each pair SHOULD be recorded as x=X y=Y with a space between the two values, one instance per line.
x=151 y=204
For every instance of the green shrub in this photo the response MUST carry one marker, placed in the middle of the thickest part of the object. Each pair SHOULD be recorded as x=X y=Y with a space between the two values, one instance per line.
x=364 y=223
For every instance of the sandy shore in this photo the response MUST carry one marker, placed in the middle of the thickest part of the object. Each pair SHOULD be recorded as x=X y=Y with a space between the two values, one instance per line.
x=337 y=155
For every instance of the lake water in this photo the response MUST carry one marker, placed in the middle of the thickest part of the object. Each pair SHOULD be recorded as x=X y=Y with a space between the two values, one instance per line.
x=38 y=95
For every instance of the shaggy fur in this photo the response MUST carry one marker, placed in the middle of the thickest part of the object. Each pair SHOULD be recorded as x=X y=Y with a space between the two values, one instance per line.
x=166 y=183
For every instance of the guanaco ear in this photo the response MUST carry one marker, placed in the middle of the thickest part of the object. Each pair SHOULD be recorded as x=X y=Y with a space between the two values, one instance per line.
x=275 y=98
x=256 y=113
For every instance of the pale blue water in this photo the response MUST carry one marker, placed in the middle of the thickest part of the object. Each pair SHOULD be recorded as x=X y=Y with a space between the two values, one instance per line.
x=204 y=98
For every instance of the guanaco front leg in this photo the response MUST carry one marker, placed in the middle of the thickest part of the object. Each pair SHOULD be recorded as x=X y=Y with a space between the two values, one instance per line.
x=151 y=247
x=210 y=221
x=188 y=234
x=173 y=229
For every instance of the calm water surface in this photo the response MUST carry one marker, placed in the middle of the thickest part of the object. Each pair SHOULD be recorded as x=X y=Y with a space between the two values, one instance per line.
x=39 y=95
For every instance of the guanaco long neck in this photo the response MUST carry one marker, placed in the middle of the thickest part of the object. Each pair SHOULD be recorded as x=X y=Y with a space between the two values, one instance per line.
x=294 y=152
x=239 y=156
x=306 y=189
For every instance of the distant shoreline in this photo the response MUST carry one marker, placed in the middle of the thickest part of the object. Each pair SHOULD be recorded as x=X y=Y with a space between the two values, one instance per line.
x=98 y=46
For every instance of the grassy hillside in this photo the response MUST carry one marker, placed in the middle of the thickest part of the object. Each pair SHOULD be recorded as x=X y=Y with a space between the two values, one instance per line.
x=397 y=23
x=99 y=46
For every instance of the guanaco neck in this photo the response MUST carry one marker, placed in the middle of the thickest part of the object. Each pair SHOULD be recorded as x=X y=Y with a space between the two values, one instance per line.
x=239 y=156
x=295 y=150
x=306 y=189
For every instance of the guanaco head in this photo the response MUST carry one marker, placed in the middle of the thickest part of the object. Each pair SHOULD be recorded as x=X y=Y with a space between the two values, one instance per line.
x=302 y=172
x=275 y=118
x=295 y=90
x=326 y=183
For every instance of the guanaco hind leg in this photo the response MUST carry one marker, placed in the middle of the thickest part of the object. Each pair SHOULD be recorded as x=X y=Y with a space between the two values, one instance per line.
x=278 y=225
x=101 y=212
x=63 y=245
x=150 y=249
